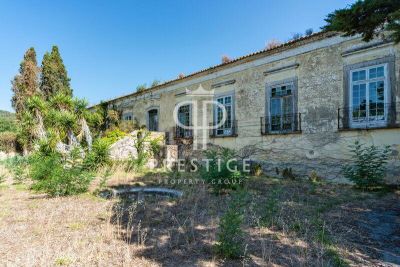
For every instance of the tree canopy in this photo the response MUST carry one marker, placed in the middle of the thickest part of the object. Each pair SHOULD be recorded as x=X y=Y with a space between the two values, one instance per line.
x=370 y=18
x=25 y=83
x=54 y=78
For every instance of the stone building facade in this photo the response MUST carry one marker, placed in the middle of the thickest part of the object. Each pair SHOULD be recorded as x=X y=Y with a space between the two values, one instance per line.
x=302 y=103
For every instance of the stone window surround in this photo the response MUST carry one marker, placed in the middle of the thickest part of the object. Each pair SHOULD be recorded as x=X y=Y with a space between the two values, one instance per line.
x=232 y=94
x=158 y=114
x=391 y=86
x=269 y=86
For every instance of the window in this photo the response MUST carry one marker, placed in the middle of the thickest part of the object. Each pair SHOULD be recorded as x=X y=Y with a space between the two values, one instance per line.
x=368 y=96
x=282 y=116
x=153 y=120
x=227 y=128
x=184 y=117
x=127 y=117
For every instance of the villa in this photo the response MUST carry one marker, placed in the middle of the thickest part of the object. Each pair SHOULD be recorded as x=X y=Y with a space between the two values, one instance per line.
x=302 y=103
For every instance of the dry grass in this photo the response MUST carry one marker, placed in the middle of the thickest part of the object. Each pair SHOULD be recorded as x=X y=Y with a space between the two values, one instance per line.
x=311 y=225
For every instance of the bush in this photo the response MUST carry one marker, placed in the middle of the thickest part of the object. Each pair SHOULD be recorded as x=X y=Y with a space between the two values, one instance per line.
x=270 y=208
x=230 y=235
x=113 y=136
x=128 y=126
x=287 y=173
x=143 y=155
x=8 y=141
x=256 y=169
x=99 y=156
x=369 y=166
x=18 y=167
x=219 y=175
x=59 y=177
x=314 y=178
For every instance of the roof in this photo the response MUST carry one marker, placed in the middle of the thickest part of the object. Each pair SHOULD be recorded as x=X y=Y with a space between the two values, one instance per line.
x=265 y=52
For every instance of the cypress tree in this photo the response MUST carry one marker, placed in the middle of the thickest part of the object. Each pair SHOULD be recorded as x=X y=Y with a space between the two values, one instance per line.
x=54 y=78
x=25 y=83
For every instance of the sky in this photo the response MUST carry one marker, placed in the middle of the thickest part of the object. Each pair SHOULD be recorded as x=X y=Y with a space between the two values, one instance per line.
x=110 y=47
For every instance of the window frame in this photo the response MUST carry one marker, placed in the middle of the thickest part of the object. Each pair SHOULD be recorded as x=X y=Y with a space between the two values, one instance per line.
x=367 y=81
x=390 y=59
x=148 y=118
x=293 y=81
x=187 y=133
x=128 y=116
x=215 y=115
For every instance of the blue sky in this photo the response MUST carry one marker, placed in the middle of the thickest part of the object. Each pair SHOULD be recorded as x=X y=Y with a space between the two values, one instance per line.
x=109 y=47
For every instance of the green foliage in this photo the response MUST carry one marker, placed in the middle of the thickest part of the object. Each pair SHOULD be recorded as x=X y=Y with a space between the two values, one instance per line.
x=54 y=78
x=103 y=181
x=128 y=126
x=141 y=87
x=155 y=146
x=25 y=83
x=230 y=235
x=113 y=118
x=99 y=156
x=137 y=164
x=256 y=169
x=7 y=122
x=18 y=167
x=219 y=175
x=288 y=173
x=270 y=209
x=368 y=18
x=314 y=178
x=155 y=83
x=8 y=141
x=113 y=136
x=369 y=165
x=58 y=176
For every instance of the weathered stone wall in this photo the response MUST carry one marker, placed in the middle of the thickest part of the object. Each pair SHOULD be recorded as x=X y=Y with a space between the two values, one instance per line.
x=320 y=79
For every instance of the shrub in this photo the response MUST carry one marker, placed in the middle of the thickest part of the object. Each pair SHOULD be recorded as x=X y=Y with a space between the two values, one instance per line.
x=288 y=173
x=59 y=177
x=141 y=87
x=99 y=156
x=138 y=163
x=113 y=136
x=8 y=141
x=230 y=235
x=270 y=208
x=18 y=167
x=219 y=175
x=128 y=126
x=314 y=178
x=369 y=165
x=256 y=169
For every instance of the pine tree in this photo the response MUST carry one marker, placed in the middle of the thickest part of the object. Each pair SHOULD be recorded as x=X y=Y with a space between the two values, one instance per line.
x=25 y=83
x=368 y=18
x=54 y=78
